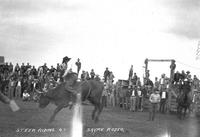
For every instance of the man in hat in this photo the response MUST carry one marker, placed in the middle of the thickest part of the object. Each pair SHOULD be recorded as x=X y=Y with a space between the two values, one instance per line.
x=106 y=74
x=68 y=82
x=154 y=100
x=78 y=64
x=188 y=76
x=65 y=61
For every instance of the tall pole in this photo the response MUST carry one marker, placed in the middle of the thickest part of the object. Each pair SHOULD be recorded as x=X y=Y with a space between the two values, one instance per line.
x=198 y=51
x=146 y=67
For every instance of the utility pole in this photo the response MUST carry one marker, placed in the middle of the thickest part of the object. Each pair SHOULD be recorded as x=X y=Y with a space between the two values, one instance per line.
x=198 y=51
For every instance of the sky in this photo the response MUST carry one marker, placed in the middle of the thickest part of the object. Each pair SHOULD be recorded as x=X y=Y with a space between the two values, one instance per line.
x=102 y=33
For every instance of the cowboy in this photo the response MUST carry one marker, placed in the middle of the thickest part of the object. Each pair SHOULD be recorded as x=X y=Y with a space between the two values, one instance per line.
x=70 y=81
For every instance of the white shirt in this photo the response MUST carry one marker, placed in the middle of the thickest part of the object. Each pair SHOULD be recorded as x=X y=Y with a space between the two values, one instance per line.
x=139 y=93
x=18 y=83
x=133 y=93
x=162 y=81
x=26 y=95
x=154 y=98
x=163 y=95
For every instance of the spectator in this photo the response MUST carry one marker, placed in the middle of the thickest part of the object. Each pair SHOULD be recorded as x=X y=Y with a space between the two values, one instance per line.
x=55 y=75
x=187 y=74
x=10 y=67
x=112 y=95
x=195 y=83
x=130 y=73
x=106 y=74
x=154 y=100
x=11 y=88
x=17 y=68
x=134 y=80
x=97 y=78
x=34 y=72
x=133 y=99
x=6 y=69
x=83 y=75
x=104 y=96
x=45 y=68
x=22 y=69
x=177 y=77
x=26 y=96
x=40 y=72
x=28 y=66
x=18 y=88
x=163 y=102
x=183 y=75
x=156 y=83
x=111 y=77
x=87 y=76
x=58 y=67
x=139 y=99
x=149 y=86
x=51 y=70
x=163 y=82
x=78 y=64
x=138 y=82
x=92 y=74
x=58 y=78
x=24 y=85
x=147 y=74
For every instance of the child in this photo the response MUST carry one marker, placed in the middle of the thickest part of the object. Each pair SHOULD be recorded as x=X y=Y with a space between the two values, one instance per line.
x=26 y=96
x=154 y=100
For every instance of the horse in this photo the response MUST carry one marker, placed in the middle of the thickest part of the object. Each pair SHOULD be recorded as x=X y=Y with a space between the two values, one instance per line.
x=184 y=99
x=90 y=90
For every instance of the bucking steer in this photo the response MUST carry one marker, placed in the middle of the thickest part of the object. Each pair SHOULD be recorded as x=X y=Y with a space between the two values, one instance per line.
x=90 y=90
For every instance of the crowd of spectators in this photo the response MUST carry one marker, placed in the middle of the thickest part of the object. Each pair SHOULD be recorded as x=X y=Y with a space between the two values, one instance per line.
x=134 y=95
x=20 y=81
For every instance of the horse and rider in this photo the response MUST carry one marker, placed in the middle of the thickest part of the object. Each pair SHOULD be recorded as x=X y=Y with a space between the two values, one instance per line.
x=184 y=98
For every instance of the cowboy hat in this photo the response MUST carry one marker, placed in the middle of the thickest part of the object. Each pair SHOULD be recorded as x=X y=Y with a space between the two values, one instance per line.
x=188 y=72
x=66 y=59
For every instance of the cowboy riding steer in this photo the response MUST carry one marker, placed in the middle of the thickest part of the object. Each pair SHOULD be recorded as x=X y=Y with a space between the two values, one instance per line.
x=90 y=90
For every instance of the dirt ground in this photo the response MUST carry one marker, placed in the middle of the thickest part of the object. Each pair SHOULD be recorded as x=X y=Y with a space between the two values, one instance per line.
x=31 y=121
